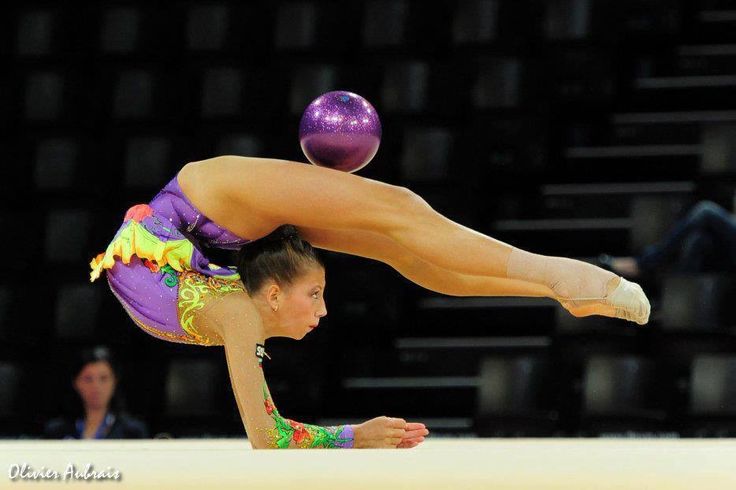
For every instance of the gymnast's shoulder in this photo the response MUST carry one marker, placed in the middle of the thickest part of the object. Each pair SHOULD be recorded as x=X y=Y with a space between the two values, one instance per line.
x=233 y=316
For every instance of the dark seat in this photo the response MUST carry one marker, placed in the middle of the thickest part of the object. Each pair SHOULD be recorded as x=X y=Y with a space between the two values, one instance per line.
x=701 y=302
x=309 y=82
x=515 y=397
x=498 y=83
x=475 y=22
x=296 y=25
x=77 y=311
x=193 y=398
x=567 y=19
x=121 y=29
x=146 y=161
x=127 y=31
x=56 y=162
x=67 y=235
x=243 y=144
x=13 y=400
x=222 y=92
x=45 y=96
x=712 y=396
x=426 y=154
x=621 y=394
x=384 y=23
x=405 y=87
x=134 y=94
x=208 y=27
x=35 y=34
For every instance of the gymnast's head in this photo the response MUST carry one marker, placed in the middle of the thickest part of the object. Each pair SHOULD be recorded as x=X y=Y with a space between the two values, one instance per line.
x=285 y=277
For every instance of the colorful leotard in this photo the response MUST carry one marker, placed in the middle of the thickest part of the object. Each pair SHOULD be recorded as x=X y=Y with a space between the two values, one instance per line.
x=156 y=270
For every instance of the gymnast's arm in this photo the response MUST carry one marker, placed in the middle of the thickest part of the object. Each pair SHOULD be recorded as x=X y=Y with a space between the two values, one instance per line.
x=236 y=320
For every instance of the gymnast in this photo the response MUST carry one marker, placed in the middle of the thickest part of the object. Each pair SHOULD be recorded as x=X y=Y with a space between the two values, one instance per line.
x=171 y=290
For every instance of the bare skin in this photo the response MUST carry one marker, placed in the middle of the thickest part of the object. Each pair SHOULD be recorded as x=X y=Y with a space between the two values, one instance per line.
x=292 y=311
x=217 y=203
x=346 y=213
x=351 y=214
x=275 y=192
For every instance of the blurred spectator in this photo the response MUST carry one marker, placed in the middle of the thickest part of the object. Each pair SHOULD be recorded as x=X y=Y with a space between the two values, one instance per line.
x=703 y=241
x=99 y=411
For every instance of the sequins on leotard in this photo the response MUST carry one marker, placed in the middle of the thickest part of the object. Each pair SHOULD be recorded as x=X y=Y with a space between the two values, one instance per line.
x=194 y=289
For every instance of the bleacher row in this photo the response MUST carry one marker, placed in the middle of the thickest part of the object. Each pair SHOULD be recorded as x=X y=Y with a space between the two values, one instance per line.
x=566 y=127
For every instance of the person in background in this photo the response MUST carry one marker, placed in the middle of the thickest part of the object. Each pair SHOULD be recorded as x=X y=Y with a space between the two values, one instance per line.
x=703 y=240
x=99 y=407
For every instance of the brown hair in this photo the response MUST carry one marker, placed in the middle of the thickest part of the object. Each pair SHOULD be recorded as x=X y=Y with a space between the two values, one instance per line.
x=281 y=255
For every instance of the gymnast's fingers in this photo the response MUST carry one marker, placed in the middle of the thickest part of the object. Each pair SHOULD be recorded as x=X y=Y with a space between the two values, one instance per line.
x=393 y=441
x=407 y=445
x=413 y=439
x=409 y=434
x=411 y=442
x=397 y=423
x=400 y=433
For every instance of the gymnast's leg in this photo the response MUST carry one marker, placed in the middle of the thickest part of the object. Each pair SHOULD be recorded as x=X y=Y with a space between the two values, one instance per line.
x=378 y=247
x=282 y=192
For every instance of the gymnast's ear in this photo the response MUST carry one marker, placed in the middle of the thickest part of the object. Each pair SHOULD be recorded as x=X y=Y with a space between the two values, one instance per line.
x=273 y=295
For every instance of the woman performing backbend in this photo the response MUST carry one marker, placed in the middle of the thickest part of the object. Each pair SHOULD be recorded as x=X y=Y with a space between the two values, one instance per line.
x=172 y=291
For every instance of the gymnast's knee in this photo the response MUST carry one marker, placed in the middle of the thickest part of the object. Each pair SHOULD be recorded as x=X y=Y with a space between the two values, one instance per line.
x=398 y=209
x=410 y=200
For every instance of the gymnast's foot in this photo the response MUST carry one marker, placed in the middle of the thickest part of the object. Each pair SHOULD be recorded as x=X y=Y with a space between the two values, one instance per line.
x=581 y=288
x=623 y=299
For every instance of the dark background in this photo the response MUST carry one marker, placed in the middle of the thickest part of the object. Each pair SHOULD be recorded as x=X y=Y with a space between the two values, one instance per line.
x=564 y=127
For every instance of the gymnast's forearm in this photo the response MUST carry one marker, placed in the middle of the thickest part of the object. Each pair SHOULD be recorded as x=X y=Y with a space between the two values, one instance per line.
x=285 y=433
x=290 y=434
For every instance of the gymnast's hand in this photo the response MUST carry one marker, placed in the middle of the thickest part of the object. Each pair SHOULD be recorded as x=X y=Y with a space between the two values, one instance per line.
x=388 y=432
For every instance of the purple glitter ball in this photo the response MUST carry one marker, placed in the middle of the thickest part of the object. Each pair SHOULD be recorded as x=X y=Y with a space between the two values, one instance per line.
x=340 y=130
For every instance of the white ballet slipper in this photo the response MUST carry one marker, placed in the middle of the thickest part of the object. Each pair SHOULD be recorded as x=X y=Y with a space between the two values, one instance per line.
x=628 y=300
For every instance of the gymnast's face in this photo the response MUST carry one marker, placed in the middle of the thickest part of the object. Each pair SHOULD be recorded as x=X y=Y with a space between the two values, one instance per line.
x=95 y=384
x=301 y=304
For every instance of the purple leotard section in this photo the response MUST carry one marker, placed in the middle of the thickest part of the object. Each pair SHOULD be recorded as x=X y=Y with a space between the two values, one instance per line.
x=183 y=215
x=349 y=434
x=146 y=296
x=150 y=297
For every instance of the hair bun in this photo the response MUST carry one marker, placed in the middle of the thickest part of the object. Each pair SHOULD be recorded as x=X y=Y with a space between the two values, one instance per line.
x=283 y=232
x=289 y=231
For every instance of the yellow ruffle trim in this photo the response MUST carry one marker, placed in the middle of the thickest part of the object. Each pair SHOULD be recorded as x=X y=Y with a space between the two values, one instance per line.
x=135 y=239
